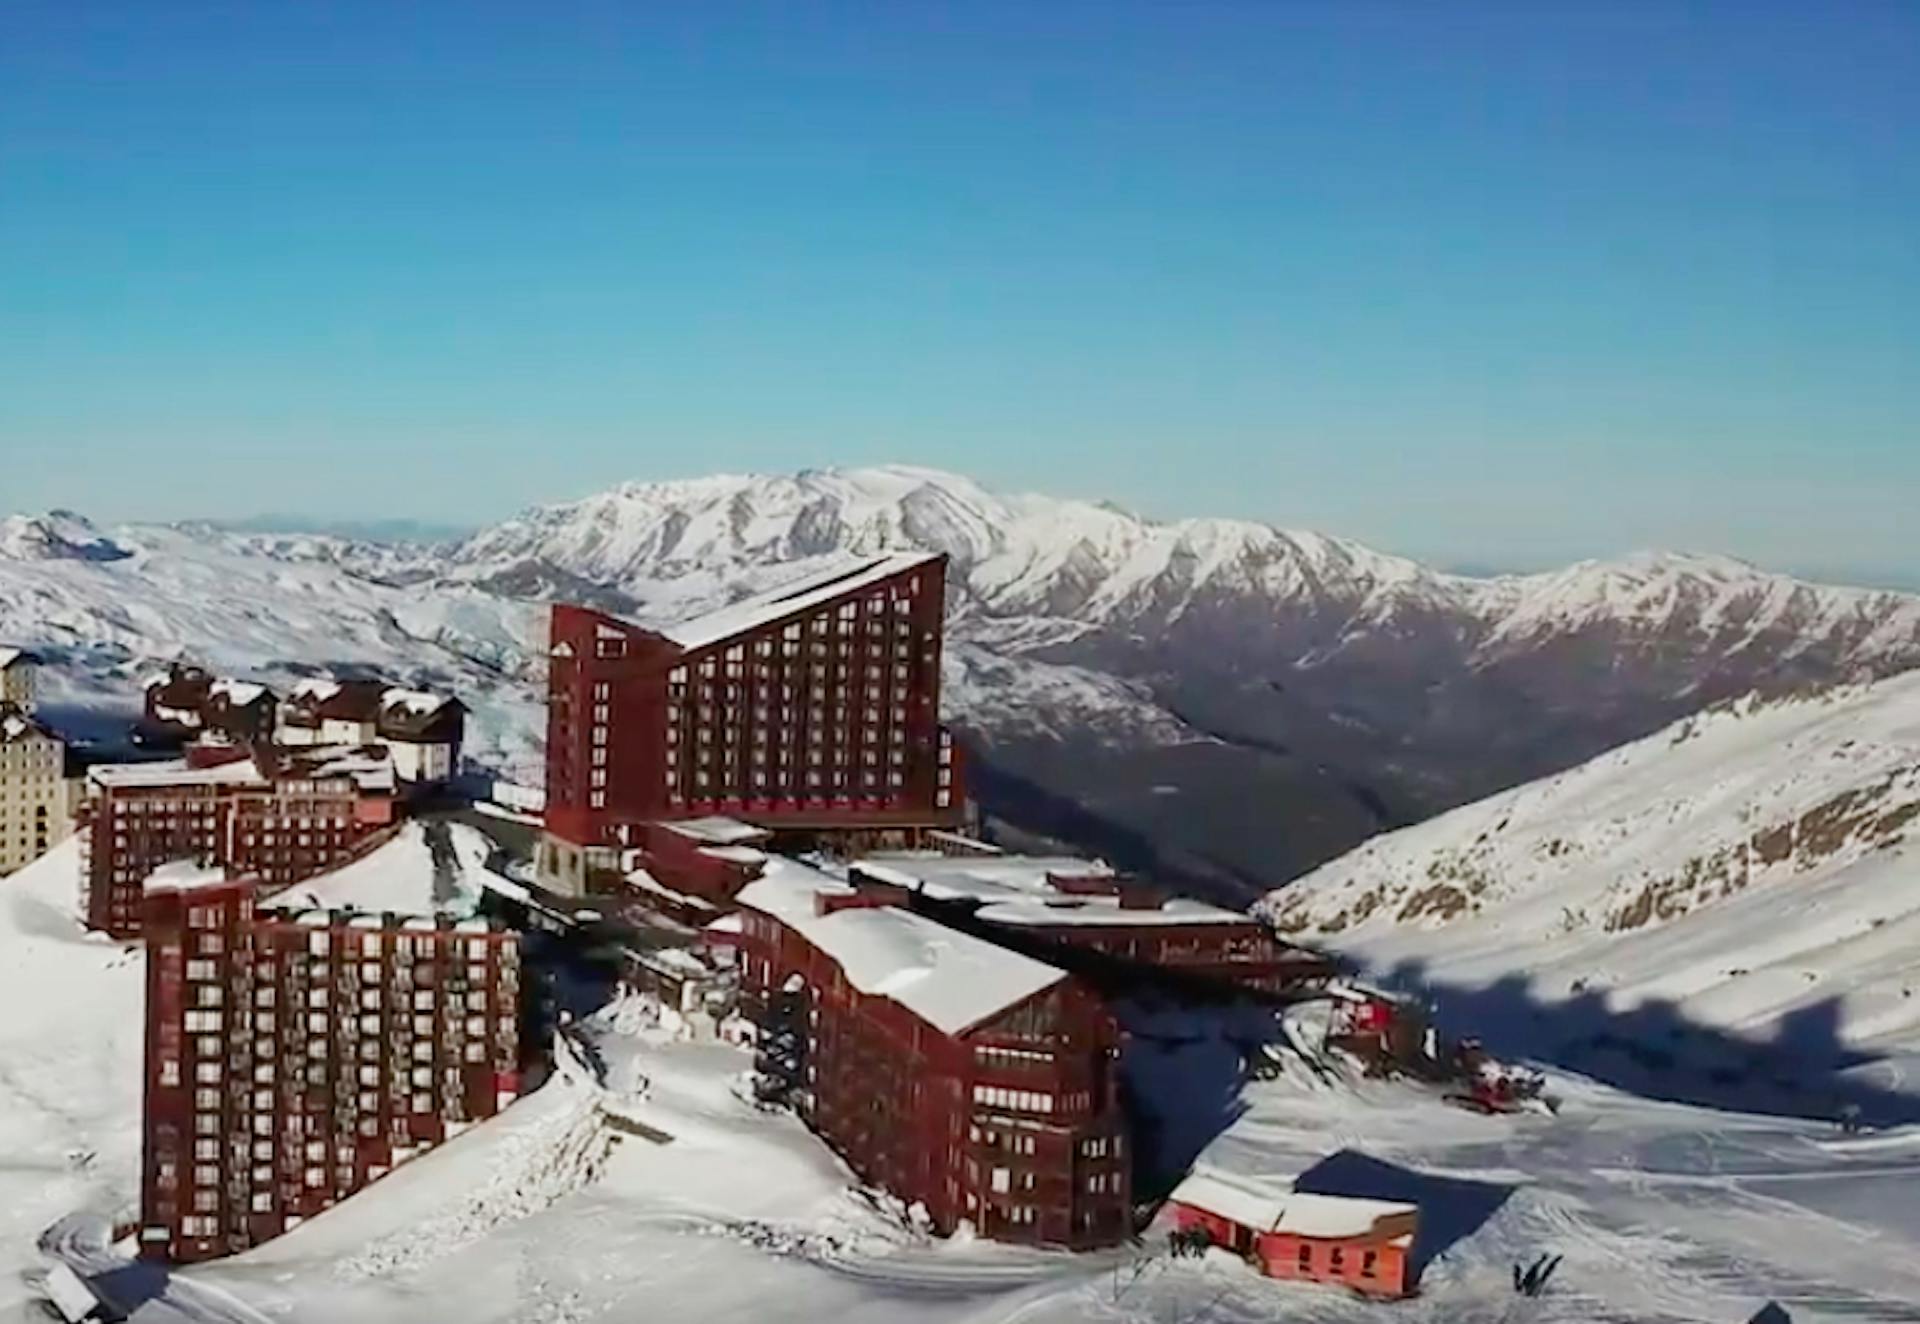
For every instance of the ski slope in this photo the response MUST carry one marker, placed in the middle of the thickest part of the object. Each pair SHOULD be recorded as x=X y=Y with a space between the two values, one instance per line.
x=1754 y=869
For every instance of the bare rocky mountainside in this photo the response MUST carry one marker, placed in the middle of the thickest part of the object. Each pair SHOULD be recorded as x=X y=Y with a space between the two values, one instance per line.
x=1226 y=702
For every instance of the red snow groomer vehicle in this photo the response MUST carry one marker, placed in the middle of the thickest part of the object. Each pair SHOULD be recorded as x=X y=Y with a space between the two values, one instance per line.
x=1492 y=1087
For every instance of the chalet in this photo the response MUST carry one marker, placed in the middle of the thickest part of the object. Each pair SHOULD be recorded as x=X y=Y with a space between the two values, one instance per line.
x=1360 y=1244
x=187 y=703
x=424 y=731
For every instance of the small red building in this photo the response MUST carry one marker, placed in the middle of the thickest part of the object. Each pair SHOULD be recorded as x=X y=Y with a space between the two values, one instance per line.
x=293 y=1058
x=1364 y=1245
x=957 y=1075
x=813 y=708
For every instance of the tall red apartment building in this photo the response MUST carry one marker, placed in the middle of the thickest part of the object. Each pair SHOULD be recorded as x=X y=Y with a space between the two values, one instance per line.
x=954 y=1073
x=293 y=1058
x=811 y=708
x=277 y=815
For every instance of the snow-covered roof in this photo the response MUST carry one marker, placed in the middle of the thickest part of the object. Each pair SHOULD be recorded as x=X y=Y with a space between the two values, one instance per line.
x=1265 y=1208
x=8 y=656
x=66 y=1289
x=716 y=830
x=948 y=979
x=316 y=689
x=371 y=768
x=239 y=693
x=793 y=598
x=185 y=876
x=1021 y=889
x=417 y=702
x=646 y=882
x=175 y=772
x=401 y=876
x=18 y=726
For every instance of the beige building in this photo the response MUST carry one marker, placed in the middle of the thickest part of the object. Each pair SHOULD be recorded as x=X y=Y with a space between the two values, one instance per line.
x=36 y=801
x=17 y=678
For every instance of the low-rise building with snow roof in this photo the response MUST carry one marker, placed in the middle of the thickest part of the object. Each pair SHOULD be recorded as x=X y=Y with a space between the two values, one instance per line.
x=186 y=703
x=1362 y=1244
x=423 y=730
x=958 y=1075
x=1062 y=901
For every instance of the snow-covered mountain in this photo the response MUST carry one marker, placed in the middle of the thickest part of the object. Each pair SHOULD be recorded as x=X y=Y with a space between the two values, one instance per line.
x=271 y=607
x=1753 y=869
x=1079 y=566
x=1362 y=690
x=1222 y=701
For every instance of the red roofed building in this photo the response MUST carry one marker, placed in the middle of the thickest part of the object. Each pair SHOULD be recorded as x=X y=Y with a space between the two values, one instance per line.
x=810 y=708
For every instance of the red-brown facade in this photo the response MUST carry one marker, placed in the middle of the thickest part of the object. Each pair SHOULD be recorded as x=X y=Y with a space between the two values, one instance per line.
x=290 y=1060
x=818 y=710
x=1012 y=1124
x=281 y=824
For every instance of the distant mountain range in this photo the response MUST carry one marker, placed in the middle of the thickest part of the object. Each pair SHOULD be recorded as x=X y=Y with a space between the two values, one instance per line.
x=1226 y=702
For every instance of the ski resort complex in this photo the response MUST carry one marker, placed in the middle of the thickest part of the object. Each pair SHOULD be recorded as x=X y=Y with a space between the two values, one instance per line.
x=771 y=964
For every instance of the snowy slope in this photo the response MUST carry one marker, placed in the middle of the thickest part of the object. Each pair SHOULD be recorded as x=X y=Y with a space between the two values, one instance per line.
x=603 y=1197
x=271 y=609
x=403 y=876
x=70 y=1045
x=1754 y=863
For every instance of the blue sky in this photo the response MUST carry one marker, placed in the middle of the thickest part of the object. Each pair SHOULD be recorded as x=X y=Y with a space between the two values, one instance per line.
x=1502 y=284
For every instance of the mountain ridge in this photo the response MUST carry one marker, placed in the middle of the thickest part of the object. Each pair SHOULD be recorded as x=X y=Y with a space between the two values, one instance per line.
x=1234 y=702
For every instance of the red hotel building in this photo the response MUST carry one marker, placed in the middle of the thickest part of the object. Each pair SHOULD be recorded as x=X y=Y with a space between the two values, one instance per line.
x=810 y=708
x=291 y=1059
x=958 y=1075
x=274 y=815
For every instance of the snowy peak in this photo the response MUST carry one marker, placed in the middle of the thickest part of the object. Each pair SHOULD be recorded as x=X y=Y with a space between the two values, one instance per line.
x=1011 y=555
x=58 y=535
x=1717 y=597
